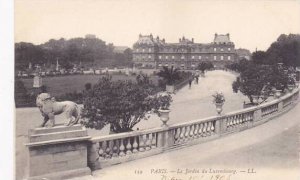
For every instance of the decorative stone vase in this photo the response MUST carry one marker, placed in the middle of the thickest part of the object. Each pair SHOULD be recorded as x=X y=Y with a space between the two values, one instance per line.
x=170 y=88
x=277 y=93
x=290 y=87
x=164 y=116
x=255 y=99
x=219 y=108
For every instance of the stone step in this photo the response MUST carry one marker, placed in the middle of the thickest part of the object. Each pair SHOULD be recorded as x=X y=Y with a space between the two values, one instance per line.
x=57 y=135
x=59 y=128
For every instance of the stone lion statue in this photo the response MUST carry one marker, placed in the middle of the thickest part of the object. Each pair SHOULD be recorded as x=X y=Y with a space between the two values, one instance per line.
x=49 y=107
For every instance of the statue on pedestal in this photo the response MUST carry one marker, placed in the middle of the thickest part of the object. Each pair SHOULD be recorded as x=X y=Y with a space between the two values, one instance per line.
x=49 y=107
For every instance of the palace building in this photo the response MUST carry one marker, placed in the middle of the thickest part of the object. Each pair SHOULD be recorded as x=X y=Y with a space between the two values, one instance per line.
x=151 y=52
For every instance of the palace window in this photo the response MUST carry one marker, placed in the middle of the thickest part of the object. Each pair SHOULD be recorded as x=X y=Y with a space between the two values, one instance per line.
x=137 y=50
x=222 y=49
x=229 y=57
x=215 y=49
x=143 y=50
x=167 y=57
x=149 y=49
x=222 y=58
x=182 y=57
x=149 y=57
x=200 y=57
x=229 y=49
x=159 y=57
x=173 y=57
x=215 y=57
x=193 y=57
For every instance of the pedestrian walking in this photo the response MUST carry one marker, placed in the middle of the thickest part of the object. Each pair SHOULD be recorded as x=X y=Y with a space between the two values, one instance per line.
x=190 y=82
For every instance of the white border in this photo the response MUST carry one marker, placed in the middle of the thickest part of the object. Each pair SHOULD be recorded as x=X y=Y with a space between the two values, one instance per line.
x=6 y=89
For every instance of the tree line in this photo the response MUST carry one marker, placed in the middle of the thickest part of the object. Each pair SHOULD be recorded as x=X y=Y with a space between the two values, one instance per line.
x=286 y=50
x=270 y=70
x=89 y=52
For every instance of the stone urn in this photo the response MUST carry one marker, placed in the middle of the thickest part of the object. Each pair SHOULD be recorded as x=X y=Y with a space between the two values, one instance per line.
x=255 y=99
x=277 y=93
x=219 y=107
x=290 y=87
x=164 y=116
x=170 y=88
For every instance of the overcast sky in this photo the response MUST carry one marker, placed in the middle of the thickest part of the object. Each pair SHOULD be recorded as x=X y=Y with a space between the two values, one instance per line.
x=251 y=24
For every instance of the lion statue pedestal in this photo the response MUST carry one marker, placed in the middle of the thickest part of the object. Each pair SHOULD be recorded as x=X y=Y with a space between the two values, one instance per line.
x=49 y=107
x=59 y=152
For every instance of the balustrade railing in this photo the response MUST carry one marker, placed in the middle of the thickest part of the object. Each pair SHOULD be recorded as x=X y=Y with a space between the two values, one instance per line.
x=117 y=148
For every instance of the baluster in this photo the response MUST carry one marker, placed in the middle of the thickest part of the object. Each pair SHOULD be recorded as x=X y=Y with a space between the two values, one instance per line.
x=108 y=149
x=245 y=118
x=101 y=152
x=141 y=145
x=122 y=148
x=239 y=120
x=228 y=123
x=128 y=147
x=135 y=144
x=177 y=135
x=187 y=132
x=182 y=134
x=212 y=128
x=191 y=131
x=230 y=119
x=196 y=131
x=204 y=129
x=115 y=148
x=200 y=132
x=153 y=142
x=148 y=142
x=208 y=128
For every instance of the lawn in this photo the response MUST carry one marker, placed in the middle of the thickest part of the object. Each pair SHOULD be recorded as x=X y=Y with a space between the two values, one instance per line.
x=60 y=85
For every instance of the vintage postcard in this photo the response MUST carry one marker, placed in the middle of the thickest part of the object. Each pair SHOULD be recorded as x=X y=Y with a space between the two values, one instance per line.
x=156 y=89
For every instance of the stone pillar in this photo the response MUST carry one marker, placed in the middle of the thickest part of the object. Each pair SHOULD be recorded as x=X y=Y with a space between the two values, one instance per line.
x=257 y=115
x=220 y=125
x=57 y=153
x=280 y=106
x=165 y=139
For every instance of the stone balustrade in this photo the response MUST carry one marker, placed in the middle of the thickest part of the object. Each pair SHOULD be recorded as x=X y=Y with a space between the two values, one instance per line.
x=63 y=152
x=118 y=148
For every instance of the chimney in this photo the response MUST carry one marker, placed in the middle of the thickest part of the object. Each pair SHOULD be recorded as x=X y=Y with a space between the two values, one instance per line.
x=216 y=35
x=157 y=38
x=179 y=39
x=163 y=40
x=192 y=40
x=183 y=38
x=151 y=36
x=140 y=35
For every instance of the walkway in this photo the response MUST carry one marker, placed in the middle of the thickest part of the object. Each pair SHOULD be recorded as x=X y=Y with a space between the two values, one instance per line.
x=271 y=150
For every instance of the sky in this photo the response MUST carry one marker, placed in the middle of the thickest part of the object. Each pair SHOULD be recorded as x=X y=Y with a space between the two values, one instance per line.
x=251 y=24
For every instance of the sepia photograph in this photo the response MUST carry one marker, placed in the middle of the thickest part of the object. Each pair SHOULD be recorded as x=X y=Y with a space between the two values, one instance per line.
x=156 y=89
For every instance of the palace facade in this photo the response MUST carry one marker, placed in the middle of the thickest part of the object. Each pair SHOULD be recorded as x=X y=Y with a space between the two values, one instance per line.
x=151 y=52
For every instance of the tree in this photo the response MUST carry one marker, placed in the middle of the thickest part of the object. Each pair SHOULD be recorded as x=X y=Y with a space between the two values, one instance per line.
x=286 y=50
x=252 y=81
x=203 y=66
x=122 y=104
x=88 y=86
x=170 y=75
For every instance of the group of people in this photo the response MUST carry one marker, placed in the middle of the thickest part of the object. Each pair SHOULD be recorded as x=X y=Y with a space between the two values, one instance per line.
x=194 y=76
